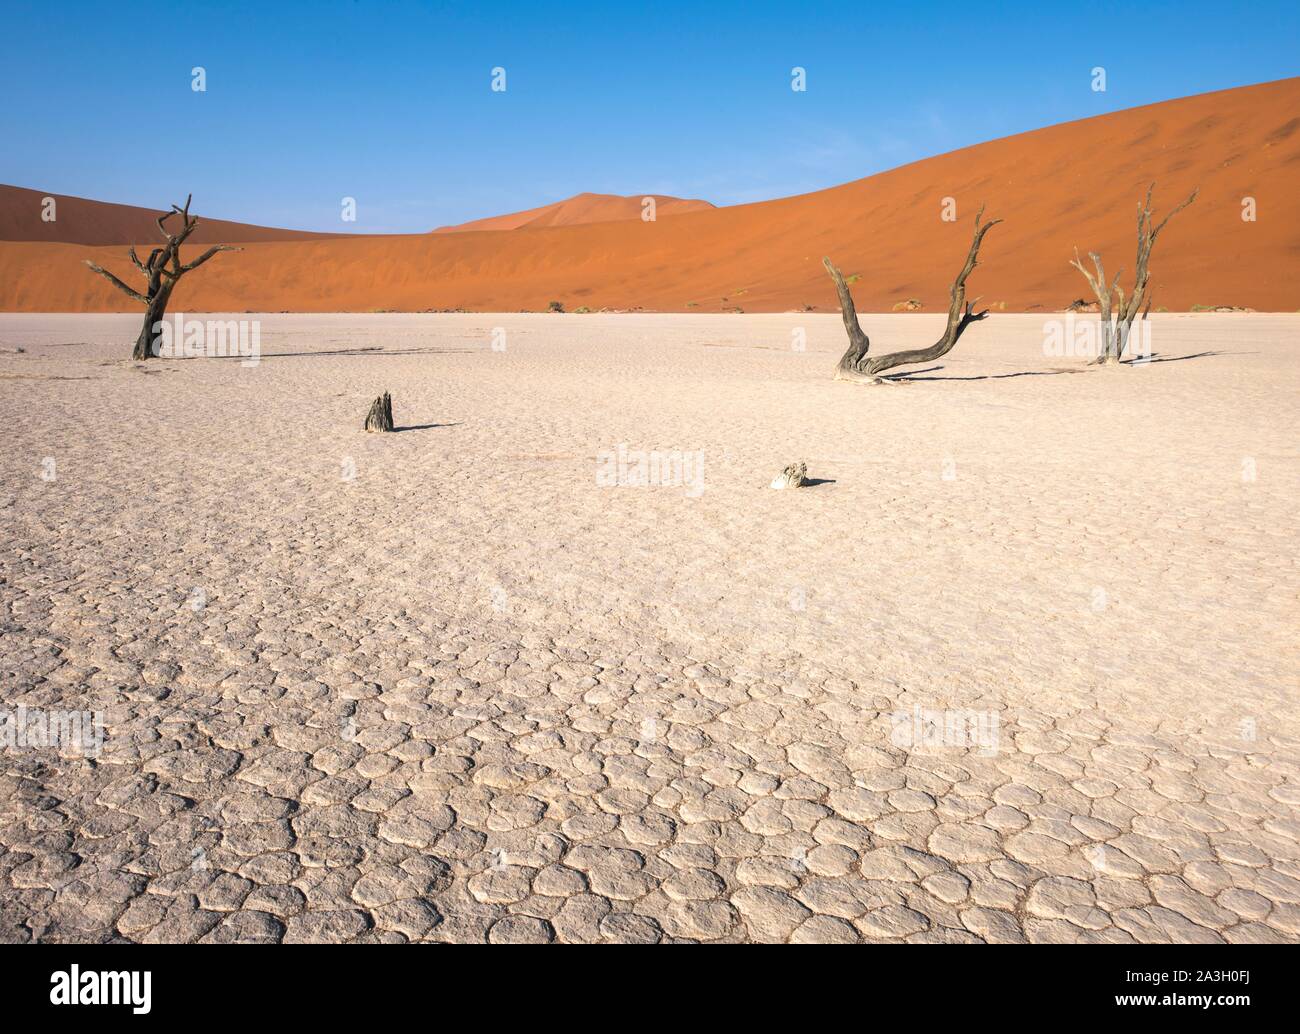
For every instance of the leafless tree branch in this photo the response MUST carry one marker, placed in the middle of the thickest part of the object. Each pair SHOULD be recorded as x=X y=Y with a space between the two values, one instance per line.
x=126 y=289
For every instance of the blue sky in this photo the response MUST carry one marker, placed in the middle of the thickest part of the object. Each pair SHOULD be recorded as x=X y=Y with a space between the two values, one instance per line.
x=390 y=103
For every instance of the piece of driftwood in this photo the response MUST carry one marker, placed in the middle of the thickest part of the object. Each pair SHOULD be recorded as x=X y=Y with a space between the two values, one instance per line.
x=794 y=476
x=1115 y=327
x=857 y=365
x=161 y=272
x=380 y=417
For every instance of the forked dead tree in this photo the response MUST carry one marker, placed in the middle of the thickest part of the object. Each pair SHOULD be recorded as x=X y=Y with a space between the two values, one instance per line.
x=161 y=272
x=857 y=365
x=1116 y=323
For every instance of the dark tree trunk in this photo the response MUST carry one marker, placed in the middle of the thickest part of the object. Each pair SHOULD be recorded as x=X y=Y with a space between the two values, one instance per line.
x=154 y=312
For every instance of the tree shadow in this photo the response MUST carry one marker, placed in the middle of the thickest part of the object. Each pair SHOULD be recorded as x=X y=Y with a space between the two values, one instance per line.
x=376 y=350
x=1156 y=357
x=425 y=427
x=1053 y=372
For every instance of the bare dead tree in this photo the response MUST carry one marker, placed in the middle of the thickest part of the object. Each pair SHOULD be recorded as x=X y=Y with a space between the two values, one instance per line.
x=161 y=273
x=1116 y=324
x=856 y=365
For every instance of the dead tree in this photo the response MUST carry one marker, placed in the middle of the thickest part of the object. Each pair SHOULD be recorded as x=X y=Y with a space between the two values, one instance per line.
x=857 y=365
x=161 y=272
x=380 y=417
x=1116 y=323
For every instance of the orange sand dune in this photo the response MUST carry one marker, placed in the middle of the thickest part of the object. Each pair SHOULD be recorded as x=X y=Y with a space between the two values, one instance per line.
x=1067 y=185
x=81 y=221
x=582 y=208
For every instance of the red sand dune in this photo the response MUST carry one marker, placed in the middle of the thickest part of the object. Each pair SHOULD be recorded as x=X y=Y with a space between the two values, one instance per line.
x=80 y=221
x=582 y=208
x=1072 y=184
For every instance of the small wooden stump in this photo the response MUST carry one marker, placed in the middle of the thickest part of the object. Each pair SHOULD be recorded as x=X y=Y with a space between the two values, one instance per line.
x=794 y=476
x=380 y=417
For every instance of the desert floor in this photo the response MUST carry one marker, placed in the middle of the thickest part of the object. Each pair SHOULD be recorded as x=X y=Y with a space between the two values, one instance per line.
x=443 y=685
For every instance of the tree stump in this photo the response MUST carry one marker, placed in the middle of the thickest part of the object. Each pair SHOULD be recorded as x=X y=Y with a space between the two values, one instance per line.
x=380 y=417
x=794 y=476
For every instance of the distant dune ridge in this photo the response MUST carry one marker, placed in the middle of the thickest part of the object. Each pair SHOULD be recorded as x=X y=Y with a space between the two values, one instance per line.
x=80 y=221
x=1074 y=184
x=583 y=208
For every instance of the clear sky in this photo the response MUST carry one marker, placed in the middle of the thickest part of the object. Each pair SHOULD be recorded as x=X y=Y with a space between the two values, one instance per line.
x=391 y=103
